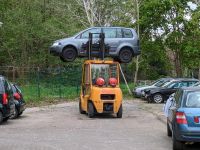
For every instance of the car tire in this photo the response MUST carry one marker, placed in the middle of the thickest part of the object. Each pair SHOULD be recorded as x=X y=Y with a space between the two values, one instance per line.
x=15 y=115
x=125 y=55
x=157 y=98
x=69 y=54
x=80 y=108
x=176 y=145
x=91 y=110
x=1 y=117
x=169 y=132
x=120 y=112
x=6 y=119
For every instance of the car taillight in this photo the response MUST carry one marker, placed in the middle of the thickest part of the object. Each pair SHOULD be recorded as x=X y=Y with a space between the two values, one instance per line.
x=180 y=118
x=5 y=99
x=17 y=96
x=196 y=119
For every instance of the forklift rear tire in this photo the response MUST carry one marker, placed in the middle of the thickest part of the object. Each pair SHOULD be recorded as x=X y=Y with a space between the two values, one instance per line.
x=80 y=108
x=119 y=113
x=91 y=110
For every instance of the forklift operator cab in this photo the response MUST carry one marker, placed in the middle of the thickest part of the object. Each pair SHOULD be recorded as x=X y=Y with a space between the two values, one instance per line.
x=100 y=91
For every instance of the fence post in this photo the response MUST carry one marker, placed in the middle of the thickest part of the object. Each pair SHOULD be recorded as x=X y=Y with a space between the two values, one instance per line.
x=38 y=81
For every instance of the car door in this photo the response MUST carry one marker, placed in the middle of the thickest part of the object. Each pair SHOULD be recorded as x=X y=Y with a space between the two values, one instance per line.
x=113 y=37
x=172 y=88
x=83 y=38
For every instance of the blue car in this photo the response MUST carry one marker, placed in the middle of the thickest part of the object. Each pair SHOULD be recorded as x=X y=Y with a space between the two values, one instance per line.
x=183 y=121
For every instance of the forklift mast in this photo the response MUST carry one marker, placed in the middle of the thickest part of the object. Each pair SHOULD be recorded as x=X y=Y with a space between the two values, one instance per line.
x=100 y=46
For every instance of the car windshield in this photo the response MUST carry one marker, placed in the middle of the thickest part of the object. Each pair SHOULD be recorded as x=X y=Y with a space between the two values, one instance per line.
x=105 y=71
x=161 y=82
x=167 y=84
x=193 y=99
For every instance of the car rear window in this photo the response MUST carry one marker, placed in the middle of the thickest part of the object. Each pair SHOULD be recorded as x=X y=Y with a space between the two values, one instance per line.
x=127 y=33
x=193 y=99
x=1 y=87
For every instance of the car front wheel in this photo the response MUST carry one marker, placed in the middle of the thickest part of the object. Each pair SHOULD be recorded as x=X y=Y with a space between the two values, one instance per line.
x=69 y=54
x=119 y=113
x=158 y=98
x=125 y=55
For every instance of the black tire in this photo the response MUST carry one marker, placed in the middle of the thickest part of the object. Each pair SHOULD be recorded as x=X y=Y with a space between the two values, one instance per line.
x=80 y=108
x=1 y=117
x=169 y=132
x=69 y=54
x=157 y=98
x=120 y=112
x=20 y=113
x=125 y=55
x=91 y=110
x=6 y=119
x=15 y=115
x=177 y=145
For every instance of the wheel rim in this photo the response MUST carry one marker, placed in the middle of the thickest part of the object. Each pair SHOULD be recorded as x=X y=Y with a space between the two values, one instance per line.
x=126 y=55
x=69 y=54
x=158 y=98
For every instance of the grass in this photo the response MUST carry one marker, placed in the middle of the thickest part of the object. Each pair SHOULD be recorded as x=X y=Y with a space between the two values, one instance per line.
x=35 y=95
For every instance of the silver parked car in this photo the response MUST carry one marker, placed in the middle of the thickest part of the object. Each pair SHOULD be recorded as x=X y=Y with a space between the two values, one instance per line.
x=123 y=44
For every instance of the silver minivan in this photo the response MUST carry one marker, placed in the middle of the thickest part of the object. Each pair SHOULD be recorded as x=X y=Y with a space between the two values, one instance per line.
x=123 y=44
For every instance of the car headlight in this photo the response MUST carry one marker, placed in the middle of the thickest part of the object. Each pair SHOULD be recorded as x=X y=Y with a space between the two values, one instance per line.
x=56 y=43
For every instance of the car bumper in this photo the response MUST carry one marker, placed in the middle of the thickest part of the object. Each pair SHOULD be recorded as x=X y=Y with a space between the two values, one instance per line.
x=188 y=134
x=55 y=50
x=137 y=94
x=21 y=106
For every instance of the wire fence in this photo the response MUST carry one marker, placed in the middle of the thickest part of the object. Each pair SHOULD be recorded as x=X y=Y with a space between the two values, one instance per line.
x=58 y=82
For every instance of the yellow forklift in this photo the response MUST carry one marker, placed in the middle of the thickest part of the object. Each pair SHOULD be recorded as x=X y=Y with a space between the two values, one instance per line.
x=100 y=91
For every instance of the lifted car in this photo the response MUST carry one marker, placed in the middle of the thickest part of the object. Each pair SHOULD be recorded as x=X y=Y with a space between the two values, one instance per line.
x=123 y=44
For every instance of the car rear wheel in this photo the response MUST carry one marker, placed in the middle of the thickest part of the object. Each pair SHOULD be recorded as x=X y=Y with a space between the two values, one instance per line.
x=177 y=145
x=1 y=117
x=120 y=112
x=158 y=98
x=125 y=55
x=91 y=110
x=69 y=54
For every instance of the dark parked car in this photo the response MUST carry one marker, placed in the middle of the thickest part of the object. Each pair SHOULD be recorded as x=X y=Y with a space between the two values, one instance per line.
x=161 y=94
x=139 y=91
x=123 y=44
x=6 y=100
x=183 y=122
x=18 y=100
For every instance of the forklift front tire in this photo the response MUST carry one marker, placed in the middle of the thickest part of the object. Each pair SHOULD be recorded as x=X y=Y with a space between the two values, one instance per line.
x=119 y=113
x=91 y=110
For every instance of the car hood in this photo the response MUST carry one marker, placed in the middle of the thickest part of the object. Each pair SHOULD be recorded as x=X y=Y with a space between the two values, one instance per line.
x=64 y=40
x=155 y=89
x=141 y=88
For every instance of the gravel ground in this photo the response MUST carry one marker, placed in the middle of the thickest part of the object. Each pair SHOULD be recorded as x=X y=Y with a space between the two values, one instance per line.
x=61 y=127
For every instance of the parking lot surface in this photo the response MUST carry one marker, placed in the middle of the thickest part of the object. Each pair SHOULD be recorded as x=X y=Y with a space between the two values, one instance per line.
x=61 y=127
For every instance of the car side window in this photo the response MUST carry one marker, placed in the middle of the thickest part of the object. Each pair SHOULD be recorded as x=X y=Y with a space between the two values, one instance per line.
x=110 y=32
x=178 y=97
x=85 y=35
x=127 y=33
x=190 y=83
x=183 y=84
x=119 y=33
